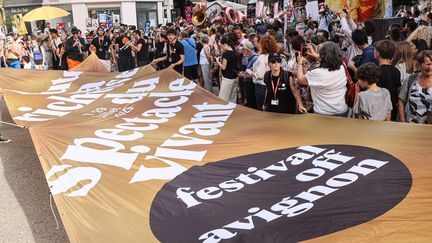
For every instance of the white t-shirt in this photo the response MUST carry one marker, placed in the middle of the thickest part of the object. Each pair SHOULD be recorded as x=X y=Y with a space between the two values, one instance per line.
x=203 y=58
x=259 y=68
x=328 y=90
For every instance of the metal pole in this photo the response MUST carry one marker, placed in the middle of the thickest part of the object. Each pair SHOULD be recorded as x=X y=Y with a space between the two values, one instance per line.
x=285 y=18
x=12 y=124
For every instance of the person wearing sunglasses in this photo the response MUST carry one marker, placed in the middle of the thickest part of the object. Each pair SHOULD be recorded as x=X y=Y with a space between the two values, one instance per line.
x=281 y=95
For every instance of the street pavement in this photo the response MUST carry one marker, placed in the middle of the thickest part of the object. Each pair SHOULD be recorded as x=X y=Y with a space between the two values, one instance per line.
x=25 y=214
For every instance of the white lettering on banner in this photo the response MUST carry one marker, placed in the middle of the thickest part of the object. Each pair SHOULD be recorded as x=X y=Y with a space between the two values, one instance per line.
x=112 y=156
x=107 y=147
x=211 y=115
x=61 y=85
x=138 y=91
x=288 y=206
x=71 y=178
x=252 y=177
x=128 y=74
x=116 y=155
x=85 y=95
x=163 y=173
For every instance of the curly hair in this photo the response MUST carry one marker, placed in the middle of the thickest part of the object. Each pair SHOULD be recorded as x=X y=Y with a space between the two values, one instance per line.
x=331 y=56
x=369 y=72
x=268 y=44
x=297 y=42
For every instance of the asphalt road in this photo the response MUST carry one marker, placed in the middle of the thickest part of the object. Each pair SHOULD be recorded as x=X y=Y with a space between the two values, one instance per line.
x=25 y=214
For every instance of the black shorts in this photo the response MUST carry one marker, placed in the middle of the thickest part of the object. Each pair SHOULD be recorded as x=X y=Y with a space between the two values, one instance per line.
x=38 y=62
x=191 y=72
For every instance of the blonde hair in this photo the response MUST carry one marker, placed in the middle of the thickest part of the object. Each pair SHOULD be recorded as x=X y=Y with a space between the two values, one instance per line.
x=422 y=32
x=403 y=54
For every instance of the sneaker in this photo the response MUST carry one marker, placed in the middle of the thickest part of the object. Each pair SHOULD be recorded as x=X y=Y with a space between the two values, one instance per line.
x=4 y=140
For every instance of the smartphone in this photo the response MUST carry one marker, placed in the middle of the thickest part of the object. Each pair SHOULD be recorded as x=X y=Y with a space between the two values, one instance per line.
x=304 y=50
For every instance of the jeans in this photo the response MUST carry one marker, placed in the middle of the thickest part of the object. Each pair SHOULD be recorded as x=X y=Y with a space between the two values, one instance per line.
x=205 y=70
x=344 y=114
x=228 y=90
x=260 y=91
x=15 y=64
x=250 y=94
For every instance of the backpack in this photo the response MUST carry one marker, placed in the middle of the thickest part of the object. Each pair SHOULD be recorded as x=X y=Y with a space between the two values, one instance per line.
x=350 y=92
x=37 y=55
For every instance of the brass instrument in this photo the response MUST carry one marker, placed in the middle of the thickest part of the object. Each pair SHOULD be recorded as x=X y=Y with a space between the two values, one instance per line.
x=217 y=13
x=126 y=46
x=199 y=16
x=78 y=43
x=62 y=52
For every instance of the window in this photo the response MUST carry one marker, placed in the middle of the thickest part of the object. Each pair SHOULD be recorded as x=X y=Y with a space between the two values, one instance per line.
x=146 y=12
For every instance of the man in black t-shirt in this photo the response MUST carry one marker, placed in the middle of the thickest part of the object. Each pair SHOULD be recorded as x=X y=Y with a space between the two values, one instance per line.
x=140 y=48
x=102 y=45
x=175 y=52
x=125 y=60
x=75 y=48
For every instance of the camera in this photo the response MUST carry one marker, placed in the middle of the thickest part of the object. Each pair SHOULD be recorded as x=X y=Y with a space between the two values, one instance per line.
x=356 y=58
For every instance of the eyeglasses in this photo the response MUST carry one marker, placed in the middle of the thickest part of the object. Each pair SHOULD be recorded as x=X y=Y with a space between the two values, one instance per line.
x=276 y=61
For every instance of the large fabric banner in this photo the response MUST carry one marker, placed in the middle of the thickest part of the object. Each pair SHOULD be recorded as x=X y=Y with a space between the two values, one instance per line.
x=145 y=156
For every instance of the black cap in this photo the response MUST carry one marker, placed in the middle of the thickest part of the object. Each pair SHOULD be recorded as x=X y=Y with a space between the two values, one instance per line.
x=274 y=56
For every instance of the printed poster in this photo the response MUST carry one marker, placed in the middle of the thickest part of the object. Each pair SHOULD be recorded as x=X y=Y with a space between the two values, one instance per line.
x=19 y=24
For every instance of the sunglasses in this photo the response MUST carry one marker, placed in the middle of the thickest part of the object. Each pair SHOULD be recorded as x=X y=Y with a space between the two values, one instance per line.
x=276 y=61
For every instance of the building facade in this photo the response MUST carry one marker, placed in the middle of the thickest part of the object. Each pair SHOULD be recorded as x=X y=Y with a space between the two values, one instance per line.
x=13 y=7
x=86 y=14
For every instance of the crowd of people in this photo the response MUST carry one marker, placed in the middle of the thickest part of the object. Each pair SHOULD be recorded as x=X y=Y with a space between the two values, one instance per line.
x=304 y=69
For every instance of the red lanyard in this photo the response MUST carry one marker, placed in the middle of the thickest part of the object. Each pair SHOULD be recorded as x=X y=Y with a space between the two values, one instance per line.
x=277 y=85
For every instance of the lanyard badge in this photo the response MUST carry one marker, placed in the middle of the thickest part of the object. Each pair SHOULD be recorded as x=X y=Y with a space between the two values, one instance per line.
x=274 y=100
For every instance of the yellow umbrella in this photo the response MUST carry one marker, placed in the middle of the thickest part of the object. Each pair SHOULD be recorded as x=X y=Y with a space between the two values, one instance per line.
x=45 y=13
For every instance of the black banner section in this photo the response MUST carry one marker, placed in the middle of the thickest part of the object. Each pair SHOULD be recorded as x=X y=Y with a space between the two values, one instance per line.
x=286 y=195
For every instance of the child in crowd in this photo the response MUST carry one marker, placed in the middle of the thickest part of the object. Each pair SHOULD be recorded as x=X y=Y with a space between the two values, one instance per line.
x=374 y=103
x=390 y=75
